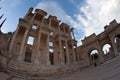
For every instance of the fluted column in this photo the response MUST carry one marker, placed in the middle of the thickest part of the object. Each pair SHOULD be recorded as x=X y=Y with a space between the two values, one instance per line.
x=38 y=51
x=56 y=53
x=20 y=56
x=47 y=50
x=67 y=53
x=77 y=55
x=61 y=51
x=73 y=51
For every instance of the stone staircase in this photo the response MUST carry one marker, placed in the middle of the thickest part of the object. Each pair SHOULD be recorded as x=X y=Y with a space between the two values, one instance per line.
x=109 y=70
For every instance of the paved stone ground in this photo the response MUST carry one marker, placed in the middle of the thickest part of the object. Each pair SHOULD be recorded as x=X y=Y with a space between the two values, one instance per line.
x=110 y=70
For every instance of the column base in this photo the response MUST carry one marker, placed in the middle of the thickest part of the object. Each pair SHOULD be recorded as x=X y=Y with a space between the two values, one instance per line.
x=37 y=61
x=19 y=59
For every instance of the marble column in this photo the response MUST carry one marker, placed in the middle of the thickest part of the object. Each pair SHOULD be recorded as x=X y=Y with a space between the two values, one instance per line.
x=78 y=55
x=22 y=48
x=37 y=50
x=67 y=53
x=47 y=51
x=73 y=51
x=56 y=53
x=61 y=51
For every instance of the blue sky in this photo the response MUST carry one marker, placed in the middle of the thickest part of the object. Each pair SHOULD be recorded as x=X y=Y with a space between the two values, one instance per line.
x=85 y=16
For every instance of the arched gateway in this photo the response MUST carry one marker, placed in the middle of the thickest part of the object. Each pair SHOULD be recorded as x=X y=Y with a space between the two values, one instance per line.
x=110 y=36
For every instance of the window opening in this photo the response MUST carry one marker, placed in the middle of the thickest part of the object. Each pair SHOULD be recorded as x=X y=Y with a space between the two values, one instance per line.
x=30 y=40
x=34 y=27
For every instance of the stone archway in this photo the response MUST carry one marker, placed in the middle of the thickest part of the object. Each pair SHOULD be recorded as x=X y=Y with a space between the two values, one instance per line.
x=94 y=57
x=107 y=51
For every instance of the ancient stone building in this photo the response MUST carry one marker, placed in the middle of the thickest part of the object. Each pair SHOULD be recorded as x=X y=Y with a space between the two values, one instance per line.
x=110 y=35
x=40 y=46
x=43 y=47
x=42 y=41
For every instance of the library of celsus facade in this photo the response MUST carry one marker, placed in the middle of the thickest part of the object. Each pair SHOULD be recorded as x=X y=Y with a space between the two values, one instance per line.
x=43 y=46
x=43 y=41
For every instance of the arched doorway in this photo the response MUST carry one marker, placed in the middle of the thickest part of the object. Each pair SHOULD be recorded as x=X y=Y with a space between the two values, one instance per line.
x=107 y=51
x=94 y=57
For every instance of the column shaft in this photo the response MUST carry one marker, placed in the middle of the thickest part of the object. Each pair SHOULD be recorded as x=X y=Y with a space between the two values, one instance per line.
x=61 y=52
x=20 y=56
x=37 y=54
x=38 y=50
x=47 y=54
x=67 y=54
x=74 y=56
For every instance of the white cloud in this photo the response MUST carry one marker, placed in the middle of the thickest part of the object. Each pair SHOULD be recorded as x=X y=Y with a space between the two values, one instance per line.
x=95 y=15
x=52 y=8
x=98 y=13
